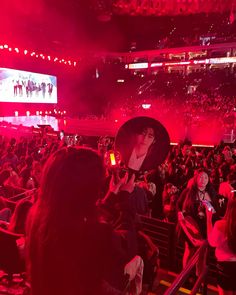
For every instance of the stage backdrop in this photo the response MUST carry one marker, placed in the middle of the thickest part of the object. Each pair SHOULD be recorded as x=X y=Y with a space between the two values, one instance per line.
x=22 y=86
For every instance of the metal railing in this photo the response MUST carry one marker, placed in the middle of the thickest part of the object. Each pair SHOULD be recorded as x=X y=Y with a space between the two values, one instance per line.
x=23 y=195
x=199 y=258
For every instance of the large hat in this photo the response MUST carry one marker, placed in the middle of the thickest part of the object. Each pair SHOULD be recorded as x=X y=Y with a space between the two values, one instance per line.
x=124 y=141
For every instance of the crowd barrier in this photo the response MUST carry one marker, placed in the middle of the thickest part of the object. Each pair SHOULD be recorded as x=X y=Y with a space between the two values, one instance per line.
x=171 y=247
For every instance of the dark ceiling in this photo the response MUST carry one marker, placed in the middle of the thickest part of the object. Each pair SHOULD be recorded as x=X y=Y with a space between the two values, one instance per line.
x=79 y=26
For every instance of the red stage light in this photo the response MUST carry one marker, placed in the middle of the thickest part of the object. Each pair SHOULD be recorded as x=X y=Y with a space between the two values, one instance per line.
x=17 y=50
x=5 y=46
x=10 y=49
x=26 y=51
x=40 y=112
x=27 y=113
x=16 y=113
x=37 y=113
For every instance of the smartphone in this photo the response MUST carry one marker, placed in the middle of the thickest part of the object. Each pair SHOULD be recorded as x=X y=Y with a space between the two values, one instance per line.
x=209 y=206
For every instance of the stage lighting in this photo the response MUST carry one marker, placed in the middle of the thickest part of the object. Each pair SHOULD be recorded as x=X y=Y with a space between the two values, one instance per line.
x=146 y=106
x=27 y=113
x=16 y=113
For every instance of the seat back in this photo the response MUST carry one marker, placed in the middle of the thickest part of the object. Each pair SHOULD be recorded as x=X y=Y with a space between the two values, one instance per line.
x=10 y=261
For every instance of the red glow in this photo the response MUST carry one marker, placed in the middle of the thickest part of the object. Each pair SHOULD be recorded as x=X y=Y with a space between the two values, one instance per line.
x=25 y=51
x=16 y=113
x=27 y=113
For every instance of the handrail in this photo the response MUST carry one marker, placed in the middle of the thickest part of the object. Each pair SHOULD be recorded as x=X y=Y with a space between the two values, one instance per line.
x=29 y=192
x=200 y=255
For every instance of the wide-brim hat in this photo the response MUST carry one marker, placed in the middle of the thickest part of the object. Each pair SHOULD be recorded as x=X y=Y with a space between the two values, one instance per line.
x=160 y=147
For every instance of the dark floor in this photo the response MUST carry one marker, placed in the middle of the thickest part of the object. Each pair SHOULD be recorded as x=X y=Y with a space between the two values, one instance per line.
x=165 y=278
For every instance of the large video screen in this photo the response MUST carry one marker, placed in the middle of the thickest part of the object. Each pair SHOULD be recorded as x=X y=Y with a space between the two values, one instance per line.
x=22 y=86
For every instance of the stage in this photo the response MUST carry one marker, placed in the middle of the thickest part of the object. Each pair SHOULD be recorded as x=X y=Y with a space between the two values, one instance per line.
x=199 y=135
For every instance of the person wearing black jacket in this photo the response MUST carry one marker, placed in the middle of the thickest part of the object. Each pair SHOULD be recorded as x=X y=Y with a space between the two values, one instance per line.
x=190 y=204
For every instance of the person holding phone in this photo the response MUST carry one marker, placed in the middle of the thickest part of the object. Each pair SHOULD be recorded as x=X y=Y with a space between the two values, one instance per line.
x=191 y=208
x=69 y=250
